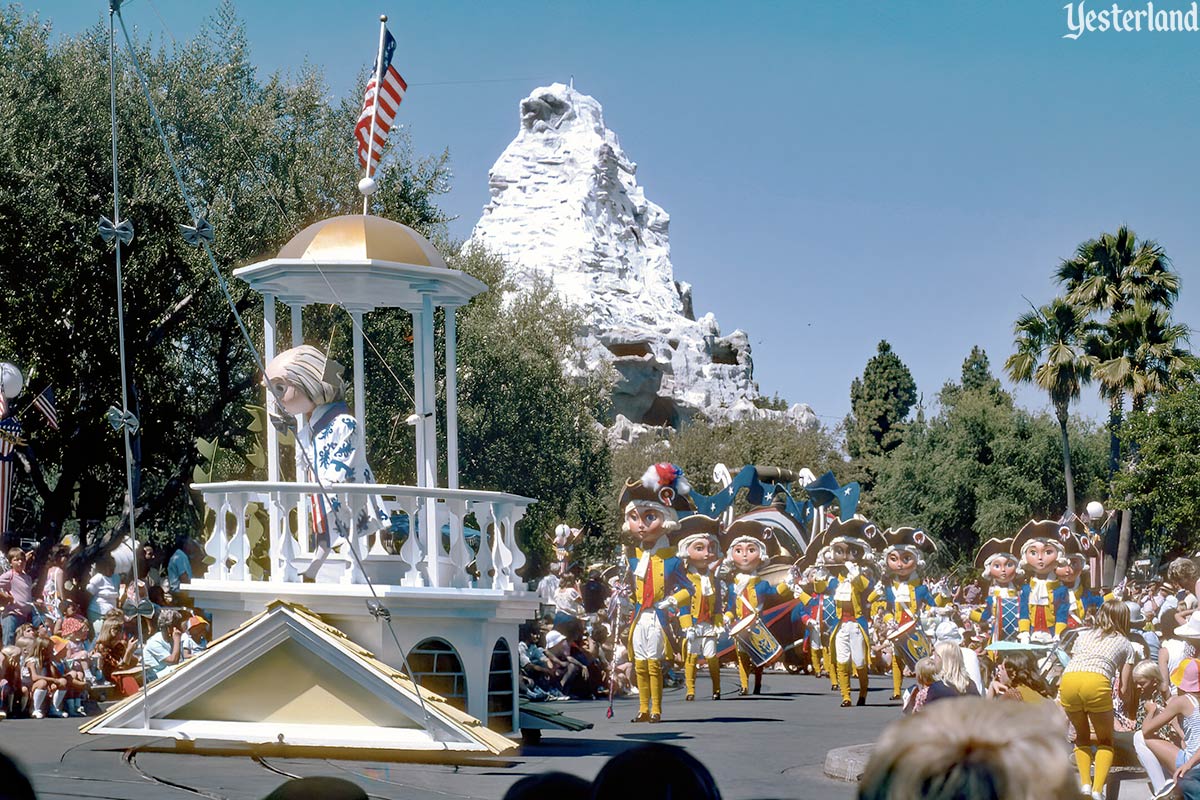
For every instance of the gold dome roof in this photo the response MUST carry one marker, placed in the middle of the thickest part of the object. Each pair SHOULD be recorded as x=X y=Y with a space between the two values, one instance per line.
x=357 y=237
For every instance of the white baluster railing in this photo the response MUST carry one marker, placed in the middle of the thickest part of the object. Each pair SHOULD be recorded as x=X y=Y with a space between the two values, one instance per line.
x=497 y=557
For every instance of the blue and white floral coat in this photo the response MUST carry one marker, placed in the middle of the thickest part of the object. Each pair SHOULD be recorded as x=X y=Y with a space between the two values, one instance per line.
x=333 y=440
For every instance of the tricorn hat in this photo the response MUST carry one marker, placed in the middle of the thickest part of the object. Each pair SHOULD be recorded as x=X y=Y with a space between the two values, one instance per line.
x=697 y=526
x=661 y=485
x=753 y=530
x=1043 y=530
x=914 y=540
x=992 y=548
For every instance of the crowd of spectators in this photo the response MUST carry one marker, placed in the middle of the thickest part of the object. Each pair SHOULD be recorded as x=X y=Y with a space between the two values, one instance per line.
x=70 y=640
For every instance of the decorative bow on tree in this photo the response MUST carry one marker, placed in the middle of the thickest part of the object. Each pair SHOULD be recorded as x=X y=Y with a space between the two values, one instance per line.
x=143 y=609
x=122 y=230
x=194 y=234
x=118 y=419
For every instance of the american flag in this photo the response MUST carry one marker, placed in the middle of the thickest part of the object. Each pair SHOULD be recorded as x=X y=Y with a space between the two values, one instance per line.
x=10 y=438
x=44 y=403
x=383 y=111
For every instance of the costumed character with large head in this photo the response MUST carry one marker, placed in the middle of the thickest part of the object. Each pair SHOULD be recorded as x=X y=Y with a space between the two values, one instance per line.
x=1072 y=566
x=651 y=507
x=1044 y=606
x=749 y=546
x=303 y=381
x=902 y=589
x=820 y=615
x=852 y=558
x=700 y=549
x=1001 y=612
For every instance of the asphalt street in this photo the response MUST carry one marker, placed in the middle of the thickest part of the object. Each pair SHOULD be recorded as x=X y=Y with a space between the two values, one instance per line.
x=769 y=746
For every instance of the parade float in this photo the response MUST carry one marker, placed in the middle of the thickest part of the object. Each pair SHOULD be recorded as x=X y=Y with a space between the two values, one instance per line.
x=404 y=637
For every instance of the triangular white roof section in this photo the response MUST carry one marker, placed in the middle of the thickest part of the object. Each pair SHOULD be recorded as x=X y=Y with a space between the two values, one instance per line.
x=287 y=677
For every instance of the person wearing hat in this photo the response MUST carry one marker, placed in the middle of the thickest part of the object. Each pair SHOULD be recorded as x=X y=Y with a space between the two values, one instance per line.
x=700 y=549
x=1001 y=610
x=193 y=641
x=1177 y=761
x=650 y=507
x=902 y=590
x=304 y=382
x=750 y=543
x=1044 y=606
x=851 y=553
x=1072 y=566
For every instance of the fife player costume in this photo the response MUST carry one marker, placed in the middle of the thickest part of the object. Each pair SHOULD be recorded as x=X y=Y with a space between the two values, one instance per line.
x=851 y=553
x=903 y=590
x=700 y=548
x=651 y=509
x=1071 y=568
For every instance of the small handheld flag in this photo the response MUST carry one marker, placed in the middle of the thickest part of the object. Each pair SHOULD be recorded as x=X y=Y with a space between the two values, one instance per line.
x=44 y=403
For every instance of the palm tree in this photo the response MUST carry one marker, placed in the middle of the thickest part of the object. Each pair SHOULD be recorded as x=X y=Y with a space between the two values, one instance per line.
x=1050 y=353
x=1138 y=353
x=1109 y=275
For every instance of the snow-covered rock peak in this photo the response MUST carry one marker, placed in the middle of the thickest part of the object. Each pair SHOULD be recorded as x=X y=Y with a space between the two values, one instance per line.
x=566 y=208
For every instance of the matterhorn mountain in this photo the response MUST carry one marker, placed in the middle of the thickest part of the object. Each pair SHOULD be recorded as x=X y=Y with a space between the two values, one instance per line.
x=566 y=208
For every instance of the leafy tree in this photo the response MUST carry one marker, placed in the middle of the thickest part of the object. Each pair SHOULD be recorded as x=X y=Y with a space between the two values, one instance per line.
x=979 y=468
x=1050 y=352
x=879 y=404
x=1164 y=478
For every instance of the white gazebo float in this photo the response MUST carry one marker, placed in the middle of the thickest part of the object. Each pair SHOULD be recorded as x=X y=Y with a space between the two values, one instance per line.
x=459 y=628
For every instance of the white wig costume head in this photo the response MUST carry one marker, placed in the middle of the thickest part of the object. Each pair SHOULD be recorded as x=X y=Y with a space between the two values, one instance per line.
x=308 y=369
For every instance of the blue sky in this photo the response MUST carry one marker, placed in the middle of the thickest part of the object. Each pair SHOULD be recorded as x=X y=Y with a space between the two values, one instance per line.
x=837 y=172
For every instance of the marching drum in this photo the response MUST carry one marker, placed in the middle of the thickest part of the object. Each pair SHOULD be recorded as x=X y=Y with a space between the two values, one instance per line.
x=911 y=642
x=755 y=640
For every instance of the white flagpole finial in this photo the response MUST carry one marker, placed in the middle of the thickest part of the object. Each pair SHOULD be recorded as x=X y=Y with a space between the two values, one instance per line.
x=367 y=186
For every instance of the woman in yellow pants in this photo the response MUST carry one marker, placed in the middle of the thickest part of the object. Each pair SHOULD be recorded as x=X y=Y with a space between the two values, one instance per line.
x=1085 y=692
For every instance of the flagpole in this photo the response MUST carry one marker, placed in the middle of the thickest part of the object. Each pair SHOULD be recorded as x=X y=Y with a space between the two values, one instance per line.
x=366 y=185
x=113 y=6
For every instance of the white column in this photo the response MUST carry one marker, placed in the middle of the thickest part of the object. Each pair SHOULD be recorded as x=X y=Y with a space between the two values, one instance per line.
x=428 y=389
x=301 y=508
x=418 y=330
x=273 y=527
x=268 y=354
x=360 y=392
x=451 y=399
x=433 y=528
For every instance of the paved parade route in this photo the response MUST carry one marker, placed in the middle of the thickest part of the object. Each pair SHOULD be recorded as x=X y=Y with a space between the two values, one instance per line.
x=770 y=746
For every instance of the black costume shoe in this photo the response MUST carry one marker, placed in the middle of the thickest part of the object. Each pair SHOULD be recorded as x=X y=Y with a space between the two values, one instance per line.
x=655 y=719
x=757 y=689
x=845 y=704
x=643 y=716
x=862 y=701
x=690 y=698
x=716 y=695
x=894 y=697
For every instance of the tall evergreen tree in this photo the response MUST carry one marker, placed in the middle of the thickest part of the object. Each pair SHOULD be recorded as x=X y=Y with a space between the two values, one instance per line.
x=880 y=402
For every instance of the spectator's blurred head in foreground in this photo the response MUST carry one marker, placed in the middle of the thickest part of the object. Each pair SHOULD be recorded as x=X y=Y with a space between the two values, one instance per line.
x=549 y=786
x=654 y=770
x=972 y=748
